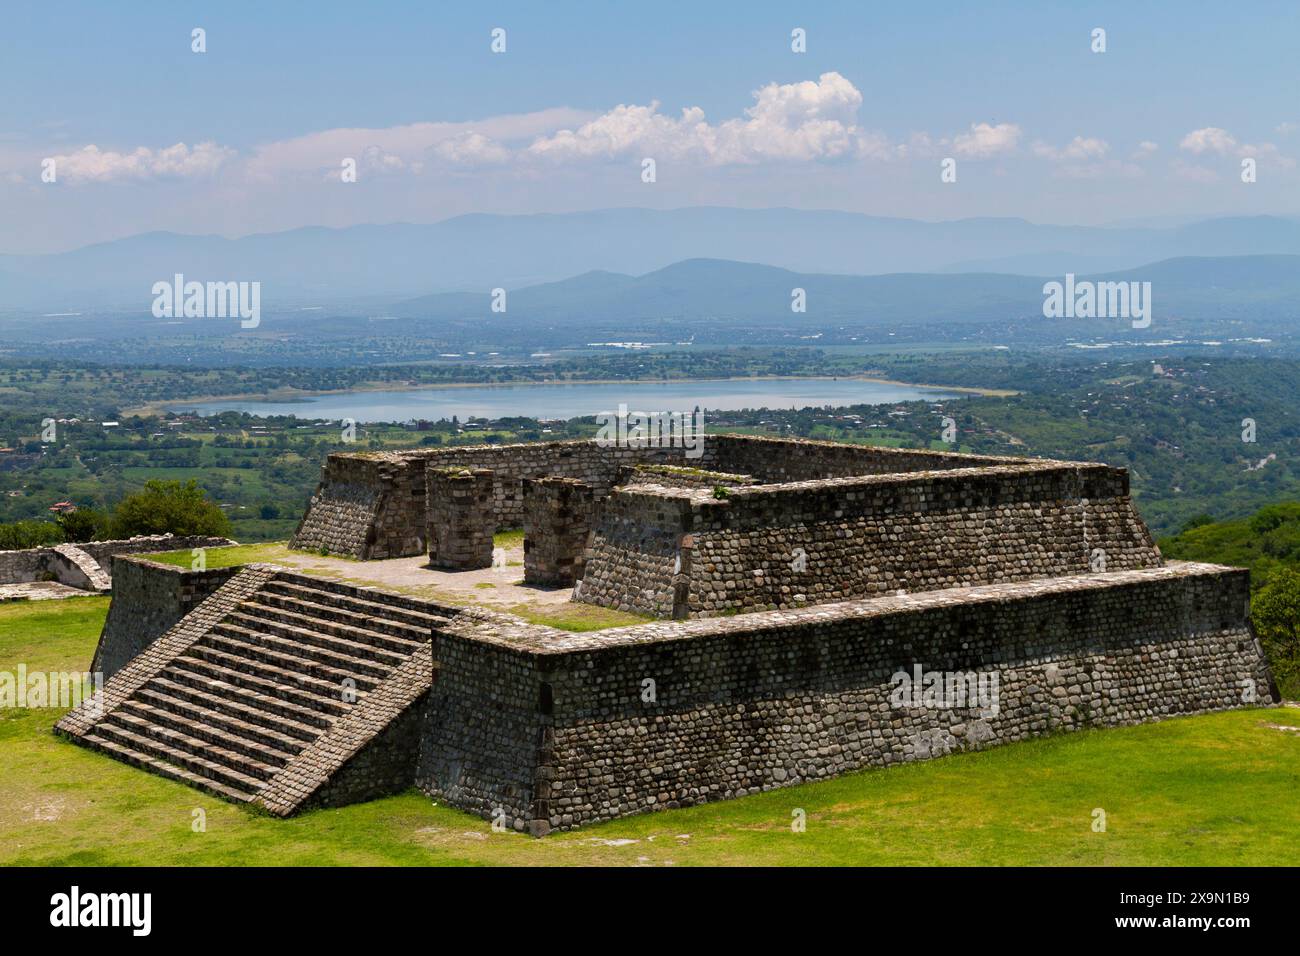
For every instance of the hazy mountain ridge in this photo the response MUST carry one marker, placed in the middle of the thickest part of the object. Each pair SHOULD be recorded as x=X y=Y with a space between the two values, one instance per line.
x=708 y=288
x=481 y=252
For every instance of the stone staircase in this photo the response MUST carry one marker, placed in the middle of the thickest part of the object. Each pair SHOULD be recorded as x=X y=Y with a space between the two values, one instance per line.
x=267 y=689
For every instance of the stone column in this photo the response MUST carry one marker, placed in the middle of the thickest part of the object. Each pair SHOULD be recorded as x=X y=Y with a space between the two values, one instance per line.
x=557 y=520
x=461 y=518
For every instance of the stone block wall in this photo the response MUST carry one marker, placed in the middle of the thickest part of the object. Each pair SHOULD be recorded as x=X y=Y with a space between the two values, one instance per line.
x=87 y=565
x=372 y=504
x=688 y=554
x=64 y=563
x=636 y=561
x=367 y=506
x=778 y=460
x=148 y=598
x=558 y=513
x=484 y=759
x=460 y=518
x=583 y=461
x=755 y=702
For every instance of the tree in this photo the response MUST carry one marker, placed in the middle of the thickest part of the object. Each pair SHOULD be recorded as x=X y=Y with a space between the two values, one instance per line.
x=1275 y=612
x=29 y=534
x=84 y=524
x=169 y=507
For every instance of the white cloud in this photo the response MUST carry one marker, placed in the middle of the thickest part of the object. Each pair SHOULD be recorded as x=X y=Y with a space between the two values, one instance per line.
x=471 y=148
x=410 y=146
x=1211 y=139
x=797 y=122
x=985 y=140
x=91 y=164
x=1286 y=128
x=1079 y=149
x=1145 y=149
x=1222 y=143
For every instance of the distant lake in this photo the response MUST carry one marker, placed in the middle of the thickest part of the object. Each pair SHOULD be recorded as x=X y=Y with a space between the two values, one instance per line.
x=571 y=401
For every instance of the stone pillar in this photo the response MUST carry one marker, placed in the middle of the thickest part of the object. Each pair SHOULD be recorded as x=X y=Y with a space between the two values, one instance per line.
x=461 y=518
x=557 y=519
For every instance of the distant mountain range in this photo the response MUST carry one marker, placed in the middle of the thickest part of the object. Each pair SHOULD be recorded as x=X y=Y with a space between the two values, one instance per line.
x=389 y=263
x=1190 y=287
x=728 y=302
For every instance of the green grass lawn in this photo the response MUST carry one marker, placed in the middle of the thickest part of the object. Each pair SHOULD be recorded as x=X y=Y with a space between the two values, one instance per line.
x=266 y=552
x=1212 y=790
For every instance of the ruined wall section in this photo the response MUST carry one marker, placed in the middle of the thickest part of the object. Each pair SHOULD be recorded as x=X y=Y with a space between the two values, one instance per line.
x=367 y=506
x=583 y=461
x=785 y=546
x=88 y=565
x=778 y=460
x=460 y=520
x=558 y=513
x=372 y=505
x=634 y=561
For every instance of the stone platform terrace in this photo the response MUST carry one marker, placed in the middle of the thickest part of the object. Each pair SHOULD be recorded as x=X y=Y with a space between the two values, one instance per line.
x=794 y=584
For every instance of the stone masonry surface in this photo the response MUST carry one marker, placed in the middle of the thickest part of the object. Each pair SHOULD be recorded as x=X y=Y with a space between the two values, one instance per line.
x=557 y=519
x=683 y=553
x=460 y=518
x=87 y=565
x=758 y=701
x=148 y=599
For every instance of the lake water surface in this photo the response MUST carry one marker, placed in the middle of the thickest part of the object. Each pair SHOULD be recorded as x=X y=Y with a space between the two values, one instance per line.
x=571 y=401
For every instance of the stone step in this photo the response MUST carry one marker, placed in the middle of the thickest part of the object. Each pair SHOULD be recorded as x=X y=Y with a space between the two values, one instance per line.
x=163 y=768
x=366 y=629
x=211 y=733
x=203 y=688
x=319 y=634
x=265 y=679
x=191 y=758
x=304 y=666
x=368 y=603
x=274 y=730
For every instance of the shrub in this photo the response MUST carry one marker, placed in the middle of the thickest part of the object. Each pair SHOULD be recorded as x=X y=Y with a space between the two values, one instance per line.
x=169 y=507
x=1275 y=612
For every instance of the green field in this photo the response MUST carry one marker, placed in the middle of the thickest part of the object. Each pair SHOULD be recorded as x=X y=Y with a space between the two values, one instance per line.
x=1212 y=790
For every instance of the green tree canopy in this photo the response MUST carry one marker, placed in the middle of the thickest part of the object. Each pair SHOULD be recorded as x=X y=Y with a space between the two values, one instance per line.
x=84 y=524
x=1275 y=612
x=29 y=534
x=169 y=507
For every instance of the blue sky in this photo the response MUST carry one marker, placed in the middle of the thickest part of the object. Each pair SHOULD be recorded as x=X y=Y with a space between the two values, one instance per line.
x=250 y=136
